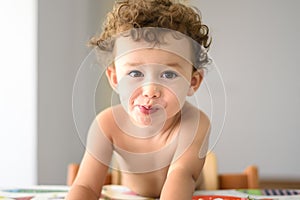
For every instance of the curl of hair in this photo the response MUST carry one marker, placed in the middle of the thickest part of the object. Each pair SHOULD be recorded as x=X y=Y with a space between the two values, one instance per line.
x=167 y=14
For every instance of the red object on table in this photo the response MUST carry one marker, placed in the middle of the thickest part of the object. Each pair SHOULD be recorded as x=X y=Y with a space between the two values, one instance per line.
x=220 y=197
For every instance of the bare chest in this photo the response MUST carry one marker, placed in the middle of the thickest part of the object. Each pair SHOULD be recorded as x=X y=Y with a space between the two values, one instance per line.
x=146 y=184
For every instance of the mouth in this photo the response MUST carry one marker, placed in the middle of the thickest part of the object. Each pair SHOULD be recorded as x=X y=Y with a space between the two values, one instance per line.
x=147 y=109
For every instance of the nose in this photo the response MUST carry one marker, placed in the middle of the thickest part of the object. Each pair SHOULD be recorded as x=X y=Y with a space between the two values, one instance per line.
x=151 y=91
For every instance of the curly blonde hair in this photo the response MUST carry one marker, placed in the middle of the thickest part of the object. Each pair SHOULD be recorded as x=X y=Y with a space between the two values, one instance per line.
x=167 y=14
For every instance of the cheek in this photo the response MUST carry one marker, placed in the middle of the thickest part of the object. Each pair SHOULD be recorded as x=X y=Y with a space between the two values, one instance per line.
x=127 y=90
x=179 y=91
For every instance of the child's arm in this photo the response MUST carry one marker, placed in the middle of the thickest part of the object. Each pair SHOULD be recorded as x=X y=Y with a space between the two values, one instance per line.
x=184 y=172
x=94 y=165
x=93 y=168
x=180 y=184
x=89 y=180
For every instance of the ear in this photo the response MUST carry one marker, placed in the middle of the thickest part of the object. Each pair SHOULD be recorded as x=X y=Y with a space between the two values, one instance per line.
x=112 y=77
x=196 y=80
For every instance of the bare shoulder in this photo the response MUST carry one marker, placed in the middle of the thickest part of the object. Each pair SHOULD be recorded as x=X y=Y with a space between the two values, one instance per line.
x=195 y=126
x=193 y=140
x=106 y=119
x=105 y=115
x=192 y=113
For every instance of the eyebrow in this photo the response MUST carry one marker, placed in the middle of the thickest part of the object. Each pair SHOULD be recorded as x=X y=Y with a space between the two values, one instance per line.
x=133 y=64
x=173 y=64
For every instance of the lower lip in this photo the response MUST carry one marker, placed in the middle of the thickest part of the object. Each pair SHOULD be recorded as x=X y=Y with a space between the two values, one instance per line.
x=147 y=111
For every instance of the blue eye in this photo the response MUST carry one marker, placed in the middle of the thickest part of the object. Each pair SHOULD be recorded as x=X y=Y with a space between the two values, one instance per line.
x=169 y=75
x=136 y=73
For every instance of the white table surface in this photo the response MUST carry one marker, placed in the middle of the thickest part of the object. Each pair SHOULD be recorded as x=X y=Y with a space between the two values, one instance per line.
x=59 y=192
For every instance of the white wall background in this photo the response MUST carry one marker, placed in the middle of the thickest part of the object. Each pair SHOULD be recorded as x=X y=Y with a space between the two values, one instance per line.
x=256 y=48
x=18 y=92
x=64 y=28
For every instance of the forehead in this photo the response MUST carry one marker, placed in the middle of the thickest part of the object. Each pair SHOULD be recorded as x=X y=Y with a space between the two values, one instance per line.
x=170 y=48
x=150 y=56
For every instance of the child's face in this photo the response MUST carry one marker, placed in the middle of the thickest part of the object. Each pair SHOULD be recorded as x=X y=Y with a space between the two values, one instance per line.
x=152 y=84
